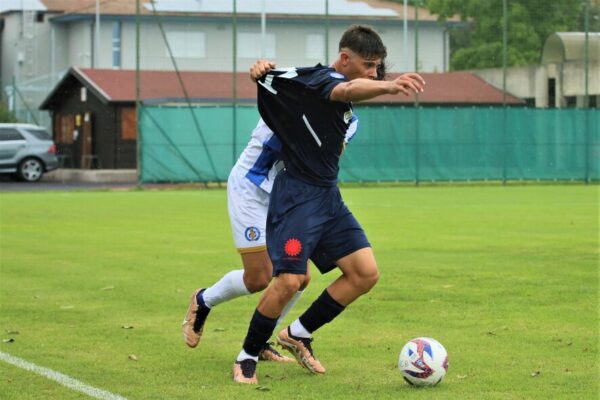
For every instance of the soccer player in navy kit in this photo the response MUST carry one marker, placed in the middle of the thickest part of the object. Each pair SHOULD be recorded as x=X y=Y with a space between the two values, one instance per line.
x=309 y=110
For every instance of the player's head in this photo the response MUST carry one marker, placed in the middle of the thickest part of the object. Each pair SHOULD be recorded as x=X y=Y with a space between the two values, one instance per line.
x=361 y=52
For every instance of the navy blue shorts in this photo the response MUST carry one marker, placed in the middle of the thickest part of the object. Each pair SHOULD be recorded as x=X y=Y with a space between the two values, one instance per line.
x=309 y=222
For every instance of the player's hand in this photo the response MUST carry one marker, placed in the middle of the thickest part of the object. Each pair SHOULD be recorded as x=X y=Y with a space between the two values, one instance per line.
x=260 y=68
x=408 y=84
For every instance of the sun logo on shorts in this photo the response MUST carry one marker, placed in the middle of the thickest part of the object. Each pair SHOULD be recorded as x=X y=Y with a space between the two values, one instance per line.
x=252 y=234
x=292 y=247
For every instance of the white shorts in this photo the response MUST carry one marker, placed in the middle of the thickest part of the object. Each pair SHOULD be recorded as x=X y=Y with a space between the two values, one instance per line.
x=248 y=205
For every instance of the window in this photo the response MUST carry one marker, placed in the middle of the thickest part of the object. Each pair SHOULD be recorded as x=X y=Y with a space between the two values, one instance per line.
x=40 y=134
x=571 y=101
x=128 y=123
x=185 y=44
x=7 y=134
x=315 y=46
x=250 y=45
x=116 y=45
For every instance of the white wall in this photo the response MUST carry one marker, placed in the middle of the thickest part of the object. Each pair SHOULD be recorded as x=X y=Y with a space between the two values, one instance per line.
x=10 y=47
x=73 y=45
x=290 y=45
x=80 y=44
x=532 y=81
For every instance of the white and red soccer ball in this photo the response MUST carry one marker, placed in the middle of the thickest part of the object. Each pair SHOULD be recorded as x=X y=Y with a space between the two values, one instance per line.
x=423 y=361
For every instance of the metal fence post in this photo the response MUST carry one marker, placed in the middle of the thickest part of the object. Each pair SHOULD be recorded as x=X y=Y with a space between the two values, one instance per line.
x=417 y=135
x=234 y=82
x=138 y=107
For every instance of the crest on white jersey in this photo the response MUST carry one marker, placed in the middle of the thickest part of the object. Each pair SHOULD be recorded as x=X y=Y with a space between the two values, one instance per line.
x=348 y=116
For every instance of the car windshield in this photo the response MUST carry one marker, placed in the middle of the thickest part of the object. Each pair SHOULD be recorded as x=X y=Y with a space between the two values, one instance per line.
x=40 y=134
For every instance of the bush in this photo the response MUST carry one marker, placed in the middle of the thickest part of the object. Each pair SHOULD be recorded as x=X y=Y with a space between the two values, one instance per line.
x=5 y=114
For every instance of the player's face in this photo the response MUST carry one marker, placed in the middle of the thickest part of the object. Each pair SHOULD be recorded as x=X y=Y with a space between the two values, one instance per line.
x=356 y=66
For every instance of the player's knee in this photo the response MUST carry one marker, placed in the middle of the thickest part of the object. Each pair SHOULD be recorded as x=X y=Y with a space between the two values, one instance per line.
x=256 y=282
x=258 y=285
x=372 y=278
x=288 y=284
x=305 y=283
x=365 y=280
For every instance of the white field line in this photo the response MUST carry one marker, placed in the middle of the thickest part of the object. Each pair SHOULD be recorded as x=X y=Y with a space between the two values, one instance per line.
x=63 y=379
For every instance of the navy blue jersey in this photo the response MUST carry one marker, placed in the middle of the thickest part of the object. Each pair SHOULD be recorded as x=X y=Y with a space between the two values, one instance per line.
x=294 y=103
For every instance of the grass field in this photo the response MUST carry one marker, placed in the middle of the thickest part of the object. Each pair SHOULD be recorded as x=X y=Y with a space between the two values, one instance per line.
x=505 y=277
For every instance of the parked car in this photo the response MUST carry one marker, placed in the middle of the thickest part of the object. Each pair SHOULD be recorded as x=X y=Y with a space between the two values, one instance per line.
x=26 y=151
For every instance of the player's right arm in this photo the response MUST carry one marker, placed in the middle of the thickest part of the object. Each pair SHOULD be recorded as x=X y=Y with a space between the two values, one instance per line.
x=365 y=89
x=260 y=68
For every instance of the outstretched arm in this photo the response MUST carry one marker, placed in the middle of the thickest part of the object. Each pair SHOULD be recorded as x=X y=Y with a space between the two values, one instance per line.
x=365 y=89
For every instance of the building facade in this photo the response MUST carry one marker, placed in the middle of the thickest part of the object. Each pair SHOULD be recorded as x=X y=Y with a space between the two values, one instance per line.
x=559 y=81
x=42 y=39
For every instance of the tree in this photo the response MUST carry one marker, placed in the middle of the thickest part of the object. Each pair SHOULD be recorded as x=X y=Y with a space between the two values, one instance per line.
x=5 y=114
x=530 y=22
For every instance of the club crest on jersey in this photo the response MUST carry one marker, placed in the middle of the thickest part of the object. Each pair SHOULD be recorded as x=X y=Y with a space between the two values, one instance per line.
x=348 y=116
x=337 y=75
x=252 y=234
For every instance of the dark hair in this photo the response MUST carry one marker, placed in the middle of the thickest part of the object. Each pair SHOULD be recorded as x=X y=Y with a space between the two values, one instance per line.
x=381 y=70
x=364 y=41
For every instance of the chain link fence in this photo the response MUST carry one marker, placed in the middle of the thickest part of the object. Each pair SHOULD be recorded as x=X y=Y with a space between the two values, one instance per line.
x=546 y=55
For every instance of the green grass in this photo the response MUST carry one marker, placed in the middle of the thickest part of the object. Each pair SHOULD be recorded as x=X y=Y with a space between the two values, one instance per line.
x=505 y=277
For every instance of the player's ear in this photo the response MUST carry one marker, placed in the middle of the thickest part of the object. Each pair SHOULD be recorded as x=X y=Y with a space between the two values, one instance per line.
x=345 y=57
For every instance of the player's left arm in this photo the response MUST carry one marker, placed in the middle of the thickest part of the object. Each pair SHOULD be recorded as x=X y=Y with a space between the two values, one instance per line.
x=365 y=89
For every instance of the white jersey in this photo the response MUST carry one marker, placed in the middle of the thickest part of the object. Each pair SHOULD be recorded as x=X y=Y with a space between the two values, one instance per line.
x=260 y=158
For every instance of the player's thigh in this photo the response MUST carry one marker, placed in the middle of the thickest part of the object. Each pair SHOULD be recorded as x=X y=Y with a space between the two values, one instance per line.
x=291 y=241
x=343 y=237
x=248 y=206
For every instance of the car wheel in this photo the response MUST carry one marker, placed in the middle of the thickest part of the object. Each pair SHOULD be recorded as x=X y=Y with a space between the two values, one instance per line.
x=30 y=170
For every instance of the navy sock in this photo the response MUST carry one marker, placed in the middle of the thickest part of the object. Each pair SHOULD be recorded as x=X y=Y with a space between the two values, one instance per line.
x=322 y=311
x=200 y=299
x=260 y=330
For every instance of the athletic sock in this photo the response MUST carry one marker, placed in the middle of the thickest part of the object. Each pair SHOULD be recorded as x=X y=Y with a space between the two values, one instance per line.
x=289 y=306
x=260 y=330
x=245 y=356
x=229 y=287
x=298 y=330
x=322 y=311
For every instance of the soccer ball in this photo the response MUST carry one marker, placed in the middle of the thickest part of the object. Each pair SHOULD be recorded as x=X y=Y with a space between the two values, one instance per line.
x=423 y=361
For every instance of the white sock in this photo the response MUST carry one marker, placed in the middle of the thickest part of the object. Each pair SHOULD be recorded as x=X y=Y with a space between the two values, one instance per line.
x=289 y=306
x=298 y=330
x=245 y=356
x=229 y=287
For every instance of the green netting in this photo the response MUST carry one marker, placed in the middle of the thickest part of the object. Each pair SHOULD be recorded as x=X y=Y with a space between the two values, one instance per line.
x=392 y=144
x=172 y=149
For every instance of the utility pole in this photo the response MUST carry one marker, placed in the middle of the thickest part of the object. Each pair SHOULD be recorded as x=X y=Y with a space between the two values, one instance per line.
x=96 y=63
x=405 y=36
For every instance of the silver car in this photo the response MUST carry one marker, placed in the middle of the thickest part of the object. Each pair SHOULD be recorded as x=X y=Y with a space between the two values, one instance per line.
x=27 y=151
